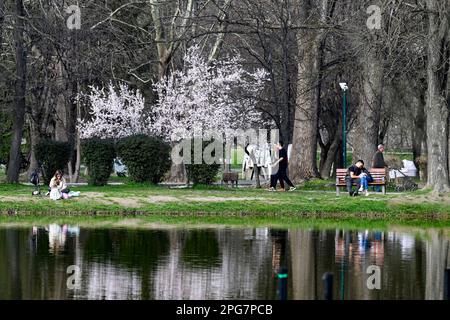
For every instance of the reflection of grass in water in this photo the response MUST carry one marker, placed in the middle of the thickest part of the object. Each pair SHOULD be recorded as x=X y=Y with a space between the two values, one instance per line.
x=214 y=221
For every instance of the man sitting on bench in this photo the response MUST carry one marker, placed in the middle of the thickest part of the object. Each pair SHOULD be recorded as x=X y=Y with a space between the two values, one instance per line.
x=359 y=175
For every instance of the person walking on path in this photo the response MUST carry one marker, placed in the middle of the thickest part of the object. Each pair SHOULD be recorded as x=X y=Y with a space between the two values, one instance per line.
x=274 y=177
x=282 y=164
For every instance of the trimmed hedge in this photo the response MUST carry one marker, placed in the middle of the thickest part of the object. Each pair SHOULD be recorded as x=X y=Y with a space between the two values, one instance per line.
x=99 y=157
x=52 y=155
x=146 y=158
x=202 y=173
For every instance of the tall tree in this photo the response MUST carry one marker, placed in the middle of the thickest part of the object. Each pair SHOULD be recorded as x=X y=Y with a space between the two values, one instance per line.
x=310 y=45
x=14 y=163
x=368 y=116
x=167 y=38
x=437 y=94
x=2 y=20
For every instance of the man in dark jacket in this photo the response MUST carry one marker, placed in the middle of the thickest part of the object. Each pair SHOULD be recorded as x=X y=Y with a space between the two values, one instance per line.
x=378 y=162
x=378 y=158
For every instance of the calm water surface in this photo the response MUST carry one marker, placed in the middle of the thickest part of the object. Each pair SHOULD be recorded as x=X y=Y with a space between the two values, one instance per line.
x=218 y=263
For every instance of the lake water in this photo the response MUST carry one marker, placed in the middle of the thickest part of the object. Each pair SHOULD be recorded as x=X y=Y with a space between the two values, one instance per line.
x=222 y=263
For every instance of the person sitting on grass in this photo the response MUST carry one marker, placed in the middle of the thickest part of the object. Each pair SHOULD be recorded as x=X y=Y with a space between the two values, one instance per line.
x=58 y=186
x=357 y=173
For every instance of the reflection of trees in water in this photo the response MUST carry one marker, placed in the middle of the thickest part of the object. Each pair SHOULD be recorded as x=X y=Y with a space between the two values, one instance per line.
x=243 y=272
x=437 y=260
x=119 y=263
x=28 y=270
x=200 y=248
x=218 y=263
x=304 y=264
x=398 y=254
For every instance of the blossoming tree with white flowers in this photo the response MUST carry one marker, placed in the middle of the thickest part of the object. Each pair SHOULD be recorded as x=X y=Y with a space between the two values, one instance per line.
x=113 y=113
x=218 y=97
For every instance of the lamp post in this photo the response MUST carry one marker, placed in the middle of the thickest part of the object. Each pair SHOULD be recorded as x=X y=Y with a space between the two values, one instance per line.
x=344 y=88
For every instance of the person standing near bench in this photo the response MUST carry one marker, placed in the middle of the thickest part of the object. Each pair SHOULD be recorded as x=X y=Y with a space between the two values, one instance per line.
x=359 y=175
x=378 y=162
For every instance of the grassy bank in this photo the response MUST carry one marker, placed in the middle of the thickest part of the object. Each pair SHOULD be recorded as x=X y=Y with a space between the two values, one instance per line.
x=313 y=203
x=174 y=222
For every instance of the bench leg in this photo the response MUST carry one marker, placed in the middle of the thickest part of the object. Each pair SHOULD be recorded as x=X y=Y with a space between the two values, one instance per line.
x=384 y=190
x=338 y=191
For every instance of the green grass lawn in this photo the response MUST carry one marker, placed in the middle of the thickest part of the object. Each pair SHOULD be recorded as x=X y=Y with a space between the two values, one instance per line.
x=311 y=204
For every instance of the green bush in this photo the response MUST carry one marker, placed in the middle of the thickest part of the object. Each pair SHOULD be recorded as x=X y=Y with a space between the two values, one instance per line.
x=52 y=156
x=99 y=157
x=202 y=173
x=146 y=158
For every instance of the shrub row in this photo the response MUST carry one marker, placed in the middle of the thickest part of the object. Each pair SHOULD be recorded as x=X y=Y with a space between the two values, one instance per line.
x=146 y=158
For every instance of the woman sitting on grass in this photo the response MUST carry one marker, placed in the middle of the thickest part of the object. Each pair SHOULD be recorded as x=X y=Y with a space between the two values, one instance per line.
x=58 y=186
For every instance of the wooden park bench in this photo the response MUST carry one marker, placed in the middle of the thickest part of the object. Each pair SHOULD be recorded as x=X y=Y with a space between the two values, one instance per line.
x=379 y=179
x=232 y=177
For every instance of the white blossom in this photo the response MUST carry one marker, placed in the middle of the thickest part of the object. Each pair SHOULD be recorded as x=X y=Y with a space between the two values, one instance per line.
x=113 y=114
x=217 y=97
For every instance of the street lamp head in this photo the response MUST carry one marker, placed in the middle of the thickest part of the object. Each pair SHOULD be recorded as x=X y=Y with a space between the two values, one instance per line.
x=343 y=86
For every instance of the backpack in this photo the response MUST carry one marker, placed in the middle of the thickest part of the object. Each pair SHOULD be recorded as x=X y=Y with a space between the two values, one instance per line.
x=34 y=178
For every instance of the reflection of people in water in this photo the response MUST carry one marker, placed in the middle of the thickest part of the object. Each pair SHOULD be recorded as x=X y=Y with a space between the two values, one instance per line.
x=368 y=242
x=339 y=247
x=278 y=249
x=377 y=249
x=57 y=237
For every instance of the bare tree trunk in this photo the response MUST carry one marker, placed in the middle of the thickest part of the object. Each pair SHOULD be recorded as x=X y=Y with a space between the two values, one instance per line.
x=303 y=164
x=35 y=138
x=437 y=108
x=419 y=133
x=2 y=20
x=166 y=42
x=76 y=175
x=160 y=38
x=325 y=170
x=368 y=117
x=217 y=47
x=20 y=93
x=166 y=45
x=437 y=251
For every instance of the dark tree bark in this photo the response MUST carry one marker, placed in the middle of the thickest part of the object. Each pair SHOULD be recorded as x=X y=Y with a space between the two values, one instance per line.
x=368 y=113
x=419 y=133
x=437 y=108
x=303 y=164
x=2 y=20
x=20 y=92
x=325 y=168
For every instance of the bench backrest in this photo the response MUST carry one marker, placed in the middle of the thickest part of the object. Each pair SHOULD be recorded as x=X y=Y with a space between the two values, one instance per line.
x=379 y=175
x=230 y=176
